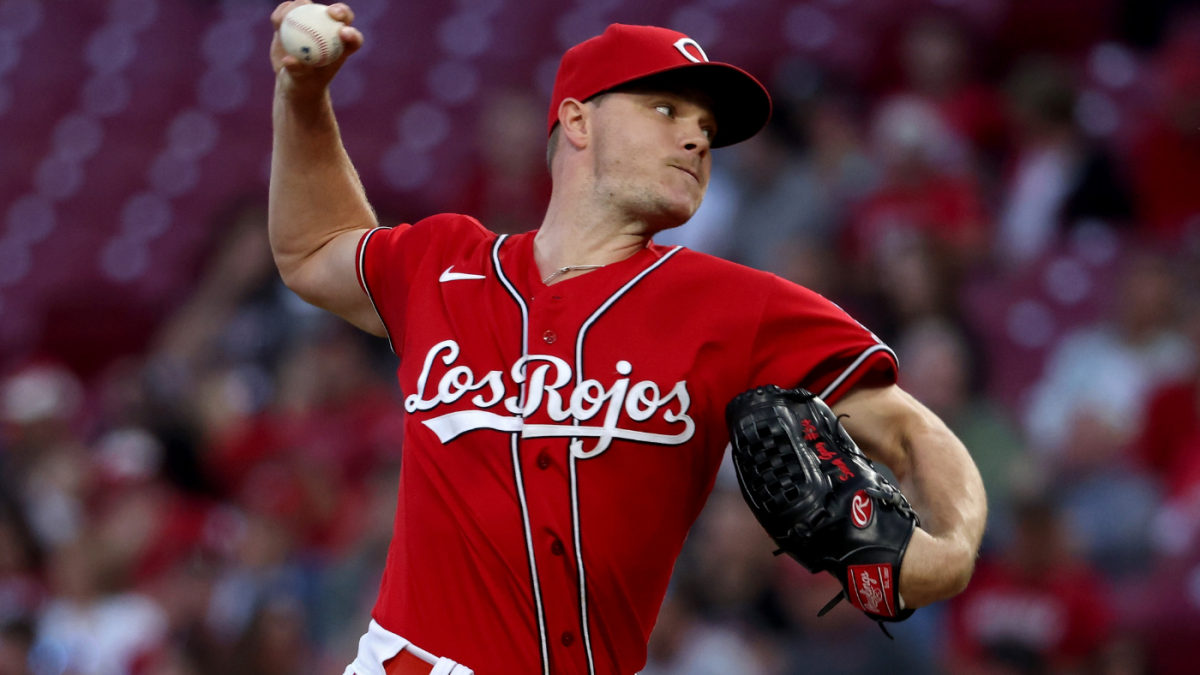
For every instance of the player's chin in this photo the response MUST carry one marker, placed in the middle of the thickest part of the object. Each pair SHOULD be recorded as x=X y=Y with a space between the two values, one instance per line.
x=663 y=207
x=683 y=200
x=688 y=207
x=661 y=215
x=676 y=209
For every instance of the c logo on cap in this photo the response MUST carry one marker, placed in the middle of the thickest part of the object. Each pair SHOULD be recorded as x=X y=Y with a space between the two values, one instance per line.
x=682 y=45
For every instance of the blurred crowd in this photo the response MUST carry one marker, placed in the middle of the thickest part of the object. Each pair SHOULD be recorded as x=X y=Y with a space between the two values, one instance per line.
x=222 y=501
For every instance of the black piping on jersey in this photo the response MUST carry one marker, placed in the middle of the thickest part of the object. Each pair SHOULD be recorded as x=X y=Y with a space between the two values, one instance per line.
x=583 y=612
x=362 y=275
x=854 y=366
x=516 y=459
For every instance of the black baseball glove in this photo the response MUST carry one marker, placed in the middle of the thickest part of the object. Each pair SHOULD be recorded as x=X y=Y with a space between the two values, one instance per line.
x=819 y=498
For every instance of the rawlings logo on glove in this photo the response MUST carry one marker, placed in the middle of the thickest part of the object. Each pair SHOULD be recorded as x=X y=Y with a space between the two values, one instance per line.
x=819 y=497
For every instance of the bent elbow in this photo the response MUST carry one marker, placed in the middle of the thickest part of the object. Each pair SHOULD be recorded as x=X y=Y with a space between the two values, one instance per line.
x=958 y=580
x=962 y=580
x=292 y=273
x=289 y=274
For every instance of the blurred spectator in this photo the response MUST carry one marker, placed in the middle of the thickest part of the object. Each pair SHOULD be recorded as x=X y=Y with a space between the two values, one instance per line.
x=924 y=191
x=16 y=643
x=1170 y=447
x=240 y=312
x=349 y=588
x=1166 y=609
x=789 y=202
x=683 y=644
x=262 y=570
x=1170 y=441
x=303 y=459
x=184 y=593
x=508 y=188
x=913 y=238
x=935 y=53
x=842 y=642
x=40 y=404
x=1034 y=609
x=95 y=621
x=1111 y=511
x=247 y=396
x=21 y=588
x=274 y=643
x=726 y=562
x=1166 y=155
x=43 y=457
x=1092 y=396
x=1090 y=405
x=913 y=284
x=145 y=524
x=1058 y=179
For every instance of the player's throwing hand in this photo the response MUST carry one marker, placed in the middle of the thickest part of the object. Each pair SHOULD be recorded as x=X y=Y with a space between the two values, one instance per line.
x=297 y=78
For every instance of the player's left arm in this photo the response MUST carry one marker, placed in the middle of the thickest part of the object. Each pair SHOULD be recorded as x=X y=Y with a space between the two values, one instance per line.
x=892 y=427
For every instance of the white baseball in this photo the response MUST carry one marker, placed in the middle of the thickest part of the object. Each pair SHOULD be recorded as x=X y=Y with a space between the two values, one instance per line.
x=311 y=35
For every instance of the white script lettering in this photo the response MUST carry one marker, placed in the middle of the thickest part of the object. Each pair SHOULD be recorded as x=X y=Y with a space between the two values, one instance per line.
x=539 y=378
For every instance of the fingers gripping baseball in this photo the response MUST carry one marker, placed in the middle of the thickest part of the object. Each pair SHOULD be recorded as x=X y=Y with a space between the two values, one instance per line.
x=299 y=76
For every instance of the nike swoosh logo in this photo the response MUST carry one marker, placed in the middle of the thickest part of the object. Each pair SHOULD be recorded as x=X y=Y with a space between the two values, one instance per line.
x=455 y=276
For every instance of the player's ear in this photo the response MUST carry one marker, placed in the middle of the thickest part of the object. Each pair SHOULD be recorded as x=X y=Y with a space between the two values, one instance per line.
x=575 y=119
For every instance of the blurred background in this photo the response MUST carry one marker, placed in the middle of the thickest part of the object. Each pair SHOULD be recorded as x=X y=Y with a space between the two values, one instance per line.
x=198 y=471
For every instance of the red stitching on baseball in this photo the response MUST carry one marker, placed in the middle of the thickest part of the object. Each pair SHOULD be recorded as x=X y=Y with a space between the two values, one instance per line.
x=311 y=33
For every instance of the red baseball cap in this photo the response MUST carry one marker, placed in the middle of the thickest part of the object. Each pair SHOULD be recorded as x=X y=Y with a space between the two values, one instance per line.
x=623 y=54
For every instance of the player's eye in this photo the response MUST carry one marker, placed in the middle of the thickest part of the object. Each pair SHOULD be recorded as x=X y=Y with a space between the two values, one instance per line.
x=708 y=133
x=665 y=109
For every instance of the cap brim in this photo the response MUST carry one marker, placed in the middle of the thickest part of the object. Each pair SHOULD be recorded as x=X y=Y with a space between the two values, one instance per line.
x=741 y=104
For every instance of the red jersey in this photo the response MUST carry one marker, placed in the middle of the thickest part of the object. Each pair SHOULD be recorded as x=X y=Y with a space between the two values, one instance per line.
x=561 y=440
x=1065 y=615
x=946 y=209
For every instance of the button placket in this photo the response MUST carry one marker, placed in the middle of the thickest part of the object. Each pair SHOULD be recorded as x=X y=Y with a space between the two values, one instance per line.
x=555 y=555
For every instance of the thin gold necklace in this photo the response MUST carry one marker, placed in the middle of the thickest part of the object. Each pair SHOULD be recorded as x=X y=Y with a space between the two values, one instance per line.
x=569 y=268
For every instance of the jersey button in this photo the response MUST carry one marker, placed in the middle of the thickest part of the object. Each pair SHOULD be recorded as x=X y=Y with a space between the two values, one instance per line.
x=556 y=548
x=549 y=337
x=543 y=461
x=567 y=638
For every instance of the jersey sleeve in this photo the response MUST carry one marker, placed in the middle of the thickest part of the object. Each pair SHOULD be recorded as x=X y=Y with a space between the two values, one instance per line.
x=392 y=260
x=804 y=340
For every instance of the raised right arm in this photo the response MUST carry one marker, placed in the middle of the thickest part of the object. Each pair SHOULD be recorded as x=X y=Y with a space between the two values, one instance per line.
x=318 y=208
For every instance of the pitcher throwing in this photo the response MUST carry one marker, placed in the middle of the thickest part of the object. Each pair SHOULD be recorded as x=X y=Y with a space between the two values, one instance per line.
x=566 y=387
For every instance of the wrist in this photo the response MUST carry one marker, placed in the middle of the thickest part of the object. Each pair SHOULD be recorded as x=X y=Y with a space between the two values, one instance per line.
x=300 y=96
x=303 y=107
x=933 y=569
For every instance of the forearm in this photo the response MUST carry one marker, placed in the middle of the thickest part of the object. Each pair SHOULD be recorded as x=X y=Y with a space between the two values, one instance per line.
x=938 y=476
x=948 y=492
x=315 y=192
x=318 y=208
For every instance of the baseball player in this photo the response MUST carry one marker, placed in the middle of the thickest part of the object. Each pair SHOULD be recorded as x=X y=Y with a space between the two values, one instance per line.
x=565 y=387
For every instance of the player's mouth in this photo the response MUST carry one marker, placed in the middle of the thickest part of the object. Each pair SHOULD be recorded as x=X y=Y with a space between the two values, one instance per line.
x=688 y=172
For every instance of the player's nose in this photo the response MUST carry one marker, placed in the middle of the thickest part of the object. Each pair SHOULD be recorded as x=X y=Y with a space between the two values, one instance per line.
x=696 y=140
